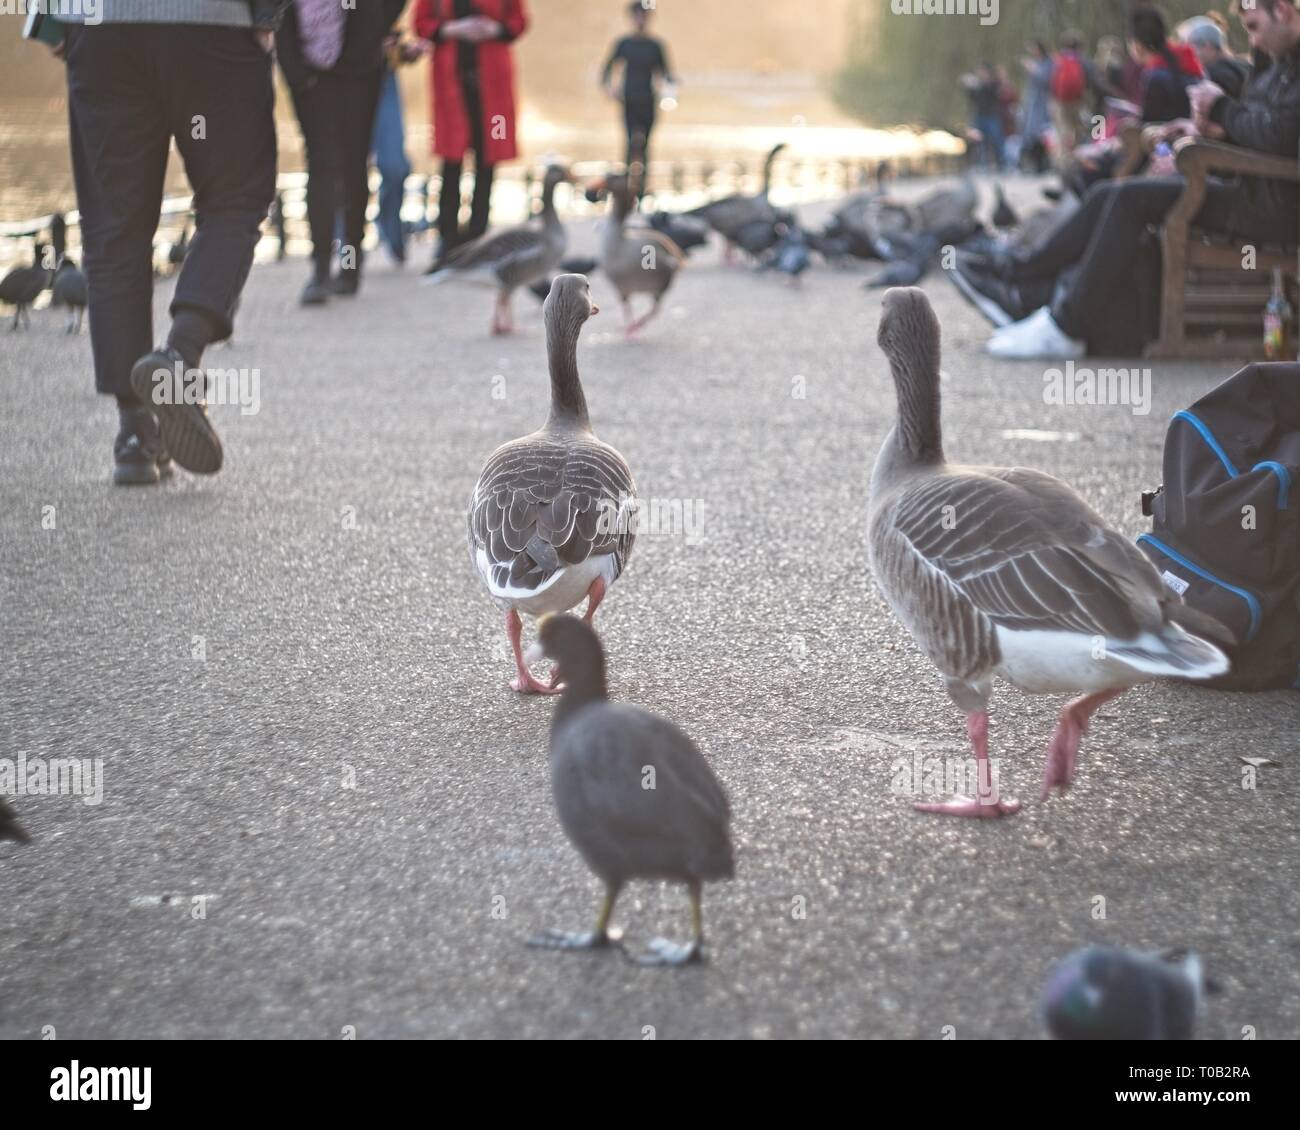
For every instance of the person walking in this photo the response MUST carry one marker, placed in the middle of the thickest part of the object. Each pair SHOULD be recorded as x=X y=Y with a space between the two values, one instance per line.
x=388 y=144
x=643 y=60
x=332 y=57
x=1036 y=118
x=1069 y=94
x=198 y=72
x=986 y=113
x=473 y=90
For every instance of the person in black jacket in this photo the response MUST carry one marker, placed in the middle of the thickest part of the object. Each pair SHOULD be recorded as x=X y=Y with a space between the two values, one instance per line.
x=332 y=57
x=644 y=60
x=1101 y=239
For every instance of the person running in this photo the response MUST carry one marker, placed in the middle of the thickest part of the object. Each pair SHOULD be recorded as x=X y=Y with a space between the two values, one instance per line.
x=197 y=73
x=643 y=60
x=473 y=91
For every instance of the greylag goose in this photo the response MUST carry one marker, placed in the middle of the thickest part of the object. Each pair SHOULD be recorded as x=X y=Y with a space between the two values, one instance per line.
x=552 y=516
x=69 y=289
x=602 y=754
x=1104 y=993
x=1006 y=571
x=733 y=214
x=23 y=285
x=637 y=260
x=514 y=257
x=10 y=829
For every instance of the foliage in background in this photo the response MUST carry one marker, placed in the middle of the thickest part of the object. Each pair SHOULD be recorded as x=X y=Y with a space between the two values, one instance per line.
x=905 y=68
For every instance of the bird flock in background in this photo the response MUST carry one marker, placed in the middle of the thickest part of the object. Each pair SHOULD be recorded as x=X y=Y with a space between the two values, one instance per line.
x=1020 y=586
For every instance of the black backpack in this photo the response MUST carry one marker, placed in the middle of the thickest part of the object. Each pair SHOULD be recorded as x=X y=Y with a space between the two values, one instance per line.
x=1226 y=528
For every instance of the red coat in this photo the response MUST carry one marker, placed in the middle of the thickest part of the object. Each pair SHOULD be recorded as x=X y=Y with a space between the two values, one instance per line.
x=451 y=128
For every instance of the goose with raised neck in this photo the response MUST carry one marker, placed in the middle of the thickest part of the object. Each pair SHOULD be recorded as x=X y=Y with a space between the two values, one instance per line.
x=513 y=257
x=552 y=518
x=1007 y=572
x=637 y=260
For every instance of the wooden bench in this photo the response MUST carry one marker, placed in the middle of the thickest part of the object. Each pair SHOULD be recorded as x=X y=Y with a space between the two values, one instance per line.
x=1211 y=306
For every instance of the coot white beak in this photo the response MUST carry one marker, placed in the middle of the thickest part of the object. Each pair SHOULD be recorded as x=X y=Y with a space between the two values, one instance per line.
x=533 y=654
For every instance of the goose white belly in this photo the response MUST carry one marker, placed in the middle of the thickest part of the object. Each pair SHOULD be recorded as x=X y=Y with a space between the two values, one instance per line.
x=563 y=591
x=1052 y=662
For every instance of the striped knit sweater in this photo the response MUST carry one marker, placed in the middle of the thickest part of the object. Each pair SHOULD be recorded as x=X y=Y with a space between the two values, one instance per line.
x=225 y=13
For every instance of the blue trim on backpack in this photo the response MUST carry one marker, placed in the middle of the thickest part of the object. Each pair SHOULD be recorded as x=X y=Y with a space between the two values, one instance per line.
x=1283 y=479
x=1251 y=602
x=1208 y=436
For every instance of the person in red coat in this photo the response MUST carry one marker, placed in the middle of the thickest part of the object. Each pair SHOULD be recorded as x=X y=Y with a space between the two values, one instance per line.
x=473 y=101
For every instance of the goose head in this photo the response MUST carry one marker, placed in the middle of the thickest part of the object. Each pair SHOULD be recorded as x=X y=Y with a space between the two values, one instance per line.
x=618 y=188
x=909 y=337
x=569 y=303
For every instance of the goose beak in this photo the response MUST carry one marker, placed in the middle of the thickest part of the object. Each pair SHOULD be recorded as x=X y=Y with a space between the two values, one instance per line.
x=594 y=309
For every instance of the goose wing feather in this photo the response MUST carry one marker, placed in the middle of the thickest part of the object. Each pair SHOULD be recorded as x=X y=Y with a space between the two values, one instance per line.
x=539 y=504
x=1030 y=555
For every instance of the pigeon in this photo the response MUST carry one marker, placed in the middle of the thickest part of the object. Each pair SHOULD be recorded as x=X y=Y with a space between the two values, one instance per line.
x=69 y=289
x=1105 y=993
x=633 y=793
x=23 y=285
x=791 y=255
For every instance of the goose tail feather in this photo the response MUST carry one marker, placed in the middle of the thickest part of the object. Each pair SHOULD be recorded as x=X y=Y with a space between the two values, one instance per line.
x=1173 y=653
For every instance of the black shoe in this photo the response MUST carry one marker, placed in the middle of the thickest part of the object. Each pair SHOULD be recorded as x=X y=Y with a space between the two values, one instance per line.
x=346 y=284
x=315 y=293
x=187 y=433
x=137 y=451
x=1000 y=302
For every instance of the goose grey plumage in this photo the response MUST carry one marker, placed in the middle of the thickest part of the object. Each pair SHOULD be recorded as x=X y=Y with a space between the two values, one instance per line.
x=730 y=215
x=514 y=257
x=552 y=517
x=636 y=260
x=675 y=828
x=1006 y=571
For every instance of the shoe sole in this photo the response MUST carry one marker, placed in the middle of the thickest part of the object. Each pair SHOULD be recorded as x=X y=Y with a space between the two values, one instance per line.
x=982 y=302
x=135 y=475
x=188 y=435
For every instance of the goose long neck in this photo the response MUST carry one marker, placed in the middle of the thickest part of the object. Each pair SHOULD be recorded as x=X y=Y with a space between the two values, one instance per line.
x=568 y=405
x=549 y=214
x=919 y=435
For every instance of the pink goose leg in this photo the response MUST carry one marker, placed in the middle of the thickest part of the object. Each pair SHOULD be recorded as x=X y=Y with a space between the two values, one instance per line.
x=986 y=803
x=1058 y=770
x=523 y=682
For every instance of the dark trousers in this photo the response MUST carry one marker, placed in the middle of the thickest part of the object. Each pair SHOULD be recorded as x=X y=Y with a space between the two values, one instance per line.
x=639 y=122
x=449 y=233
x=449 y=203
x=337 y=116
x=1102 y=238
x=131 y=89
